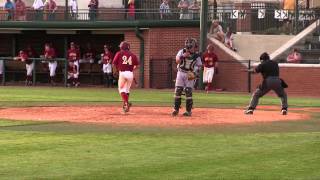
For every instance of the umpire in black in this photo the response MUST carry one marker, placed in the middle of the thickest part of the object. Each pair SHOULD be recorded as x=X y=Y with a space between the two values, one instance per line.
x=271 y=81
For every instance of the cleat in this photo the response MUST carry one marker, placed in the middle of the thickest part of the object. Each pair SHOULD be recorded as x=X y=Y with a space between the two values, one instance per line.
x=284 y=112
x=126 y=108
x=175 y=113
x=188 y=114
x=248 y=112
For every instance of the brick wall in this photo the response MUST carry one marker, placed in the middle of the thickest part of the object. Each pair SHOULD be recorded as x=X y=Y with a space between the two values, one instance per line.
x=230 y=76
x=164 y=43
x=160 y=43
x=301 y=80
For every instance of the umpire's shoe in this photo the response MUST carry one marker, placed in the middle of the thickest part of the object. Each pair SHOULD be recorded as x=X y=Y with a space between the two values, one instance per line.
x=284 y=111
x=187 y=113
x=248 y=112
x=175 y=113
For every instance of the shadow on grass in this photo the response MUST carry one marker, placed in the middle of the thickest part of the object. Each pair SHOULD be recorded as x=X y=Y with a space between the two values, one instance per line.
x=311 y=125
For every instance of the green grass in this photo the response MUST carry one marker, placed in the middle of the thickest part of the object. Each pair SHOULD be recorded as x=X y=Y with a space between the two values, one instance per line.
x=59 y=150
x=20 y=96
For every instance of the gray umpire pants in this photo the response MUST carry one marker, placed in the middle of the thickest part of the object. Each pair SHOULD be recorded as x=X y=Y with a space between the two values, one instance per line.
x=271 y=83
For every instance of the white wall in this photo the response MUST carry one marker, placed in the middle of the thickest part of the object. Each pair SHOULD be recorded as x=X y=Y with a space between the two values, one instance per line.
x=315 y=3
x=251 y=46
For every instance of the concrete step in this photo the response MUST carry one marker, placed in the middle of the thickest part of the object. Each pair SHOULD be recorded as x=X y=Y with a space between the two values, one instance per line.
x=313 y=39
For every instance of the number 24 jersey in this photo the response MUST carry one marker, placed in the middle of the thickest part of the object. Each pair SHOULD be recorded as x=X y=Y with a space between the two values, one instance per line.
x=125 y=60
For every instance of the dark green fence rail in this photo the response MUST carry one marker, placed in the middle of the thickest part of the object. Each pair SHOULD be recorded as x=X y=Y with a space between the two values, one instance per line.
x=35 y=61
x=256 y=19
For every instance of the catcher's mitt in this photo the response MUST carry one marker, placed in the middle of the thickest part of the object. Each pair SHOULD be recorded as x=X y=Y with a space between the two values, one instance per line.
x=191 y=75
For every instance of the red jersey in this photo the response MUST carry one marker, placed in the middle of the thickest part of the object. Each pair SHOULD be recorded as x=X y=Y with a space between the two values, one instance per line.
x=210 y=59
x=131 y=9
x=73 y=55
x=89 y=54
x=31 y=53
x=52 y=5
x=20 y=8
x=72 y=69
x=50 y=54
x=24 y=58
x=125 y=61
x=107 y=58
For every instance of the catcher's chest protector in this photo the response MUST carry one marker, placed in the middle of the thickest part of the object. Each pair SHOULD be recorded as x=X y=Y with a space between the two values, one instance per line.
x=187 y=64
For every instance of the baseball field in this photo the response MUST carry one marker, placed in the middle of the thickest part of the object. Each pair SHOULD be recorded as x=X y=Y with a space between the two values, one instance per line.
x=59 y=133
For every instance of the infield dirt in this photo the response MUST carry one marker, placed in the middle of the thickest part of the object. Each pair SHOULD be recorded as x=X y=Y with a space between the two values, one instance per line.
x=148 y=116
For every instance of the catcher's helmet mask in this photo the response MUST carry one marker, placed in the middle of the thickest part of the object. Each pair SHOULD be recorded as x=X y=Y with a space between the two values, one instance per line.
x=190 y=43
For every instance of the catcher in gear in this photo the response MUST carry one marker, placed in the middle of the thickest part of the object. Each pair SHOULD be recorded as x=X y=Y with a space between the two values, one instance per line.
x=187 y=58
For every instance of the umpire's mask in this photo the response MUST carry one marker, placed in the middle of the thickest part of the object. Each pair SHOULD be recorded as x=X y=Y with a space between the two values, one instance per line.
x=264 y=57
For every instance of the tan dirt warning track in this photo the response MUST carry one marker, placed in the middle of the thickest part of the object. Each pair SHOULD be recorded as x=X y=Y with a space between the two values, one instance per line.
x=145 y=116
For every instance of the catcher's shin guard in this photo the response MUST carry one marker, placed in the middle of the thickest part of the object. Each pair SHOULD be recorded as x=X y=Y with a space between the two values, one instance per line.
x=189 y=100
x=177 y=97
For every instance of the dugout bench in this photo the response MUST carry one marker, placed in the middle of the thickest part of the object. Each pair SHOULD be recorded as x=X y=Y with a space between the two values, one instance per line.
x=15 y=70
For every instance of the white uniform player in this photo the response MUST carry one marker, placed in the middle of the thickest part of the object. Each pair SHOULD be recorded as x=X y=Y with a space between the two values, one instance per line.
x=106 y=60
x=23 y=57
x=125 y=62
x=50 y=55
x=1 y=69
x=210 y=60
x=73 y=55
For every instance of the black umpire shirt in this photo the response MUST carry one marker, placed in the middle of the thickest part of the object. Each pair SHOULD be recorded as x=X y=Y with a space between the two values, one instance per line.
x=268 y=68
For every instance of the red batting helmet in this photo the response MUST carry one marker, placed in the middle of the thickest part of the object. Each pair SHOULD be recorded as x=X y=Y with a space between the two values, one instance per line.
x=124 y=45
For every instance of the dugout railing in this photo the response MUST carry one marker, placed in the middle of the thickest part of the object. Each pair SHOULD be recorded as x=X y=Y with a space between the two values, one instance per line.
x=19 y=68
x=256 y=19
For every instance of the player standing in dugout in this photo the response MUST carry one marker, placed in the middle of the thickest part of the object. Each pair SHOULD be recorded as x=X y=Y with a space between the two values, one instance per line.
x=271 y=81
x=187 y=58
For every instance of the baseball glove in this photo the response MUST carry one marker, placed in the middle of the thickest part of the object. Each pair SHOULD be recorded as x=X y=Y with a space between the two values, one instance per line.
x=191 y=75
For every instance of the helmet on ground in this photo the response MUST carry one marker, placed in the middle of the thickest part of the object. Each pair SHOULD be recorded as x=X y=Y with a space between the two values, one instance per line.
x=124 y=46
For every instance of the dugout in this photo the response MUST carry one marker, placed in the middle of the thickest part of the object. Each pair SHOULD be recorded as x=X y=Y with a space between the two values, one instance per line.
x=14 y=41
